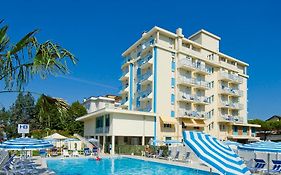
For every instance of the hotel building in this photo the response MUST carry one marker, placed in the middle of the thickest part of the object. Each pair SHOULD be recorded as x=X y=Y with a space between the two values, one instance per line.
x=185 y=83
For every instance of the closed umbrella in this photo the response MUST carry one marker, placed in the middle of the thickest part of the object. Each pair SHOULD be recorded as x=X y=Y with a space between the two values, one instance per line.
x=215 y=154
x=25 y=144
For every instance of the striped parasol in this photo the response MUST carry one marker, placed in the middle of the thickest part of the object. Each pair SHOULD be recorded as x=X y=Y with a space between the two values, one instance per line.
x=25 y=144
x=215 y=154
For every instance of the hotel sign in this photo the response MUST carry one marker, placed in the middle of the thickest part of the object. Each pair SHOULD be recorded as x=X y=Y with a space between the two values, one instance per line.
x=23 y=128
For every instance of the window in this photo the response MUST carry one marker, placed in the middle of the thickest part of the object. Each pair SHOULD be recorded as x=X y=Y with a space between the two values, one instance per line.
x=138 y=102
x=172 y=113
x=210 y=99
x=107 y=120
x=211 y=84
x=168 y=138
x=210 y=114
x=99 y=122
x=138 y=87
x=245 y=129
x=210 y=69
x=235 y=128
x=173 y=65
x=167 y=126
x=173 y=82
x=172 y=99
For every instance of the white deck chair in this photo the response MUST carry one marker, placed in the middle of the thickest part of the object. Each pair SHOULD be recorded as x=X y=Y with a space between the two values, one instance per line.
x=65 y=153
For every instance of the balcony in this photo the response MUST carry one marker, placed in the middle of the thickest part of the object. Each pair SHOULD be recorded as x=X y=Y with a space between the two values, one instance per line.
x=124 y=89
x=231 y=105
x=125 y=75
x=146 y=108
x=126 y=61
x=191 y=66
x=145 y=93
x=144 y=77
x=230 y=77
x=124 y=102
x=192 y=114
x=229 y=118
x=144 y=62
x=191 y=82
x=231 y=91
x=192 y=98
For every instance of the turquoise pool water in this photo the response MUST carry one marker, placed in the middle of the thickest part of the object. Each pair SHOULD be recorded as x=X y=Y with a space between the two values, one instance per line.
x=116 y=166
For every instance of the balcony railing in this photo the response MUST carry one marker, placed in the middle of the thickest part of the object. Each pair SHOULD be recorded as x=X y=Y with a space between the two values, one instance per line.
x=144 y=60
x=231 y=77
x=230 y=118
x=99 y=130
x=232 y=90
x=192 y=81
x=147 y=108
x=193 y=114
x=145 y=93
x=194 y=98
x=126 y=60
x=232 y=105
x=123 y=101
x=188 y=63
x=144 y=76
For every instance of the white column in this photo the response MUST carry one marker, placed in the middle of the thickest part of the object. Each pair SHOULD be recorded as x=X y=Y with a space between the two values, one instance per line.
x=112 y=145
x=143 y=141
x=103 y=143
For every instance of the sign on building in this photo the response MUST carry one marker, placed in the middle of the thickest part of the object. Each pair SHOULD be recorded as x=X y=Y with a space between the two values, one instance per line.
x=23 y=128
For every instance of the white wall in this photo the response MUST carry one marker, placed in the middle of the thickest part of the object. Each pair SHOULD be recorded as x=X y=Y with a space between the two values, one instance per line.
x=132 y=125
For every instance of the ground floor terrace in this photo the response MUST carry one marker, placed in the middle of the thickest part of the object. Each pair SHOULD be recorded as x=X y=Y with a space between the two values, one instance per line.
x=114 y=127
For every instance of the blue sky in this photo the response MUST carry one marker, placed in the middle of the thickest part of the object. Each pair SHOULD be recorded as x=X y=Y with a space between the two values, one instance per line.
x=98 y=33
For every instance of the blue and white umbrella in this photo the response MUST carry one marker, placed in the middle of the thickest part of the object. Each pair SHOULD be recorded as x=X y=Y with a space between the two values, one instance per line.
x=263 y=147
x=267 y=146
x=230 y=143
x=215 y=154
x=25 y=144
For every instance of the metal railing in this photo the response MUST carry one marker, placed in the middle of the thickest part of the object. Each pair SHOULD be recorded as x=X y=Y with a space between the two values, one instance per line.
x=232 y=105
x=145 y=93
x=193 y=81
x=144 y=76
x=188 y=63
x=231 y=118
x=195 y=114
x=232 y=77
x=232 y=90
x=144 y=60
x=195 y=98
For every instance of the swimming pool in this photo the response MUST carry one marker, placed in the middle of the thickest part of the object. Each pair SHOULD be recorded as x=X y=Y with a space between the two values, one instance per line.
x=116 y=166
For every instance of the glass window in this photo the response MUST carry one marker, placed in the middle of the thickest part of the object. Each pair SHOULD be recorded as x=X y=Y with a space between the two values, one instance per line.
x=172 y=99
x=173 y=65
x=245 y=129
x=173 y=82
x=107 y=120
x=172 y=113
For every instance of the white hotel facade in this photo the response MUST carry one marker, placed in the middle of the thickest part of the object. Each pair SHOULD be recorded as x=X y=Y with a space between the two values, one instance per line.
x=172 y=83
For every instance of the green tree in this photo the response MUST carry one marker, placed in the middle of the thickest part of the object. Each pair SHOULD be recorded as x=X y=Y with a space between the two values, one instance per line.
x=21 y=61
x=76 y=110
x=22 y=111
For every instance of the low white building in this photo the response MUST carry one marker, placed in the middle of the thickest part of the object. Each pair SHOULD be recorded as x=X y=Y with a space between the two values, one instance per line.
x=113 y=126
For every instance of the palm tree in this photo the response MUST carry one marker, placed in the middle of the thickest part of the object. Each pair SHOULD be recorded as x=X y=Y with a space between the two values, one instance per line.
x=20 y=62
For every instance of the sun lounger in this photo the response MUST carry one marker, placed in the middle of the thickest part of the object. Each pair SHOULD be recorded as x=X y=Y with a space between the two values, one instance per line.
x=176 y=157
x=186 y=157
x=87 y=151
x=160 y=153
x=259 y=166
x=65 y=153
x=276 y=169
x=43 y=153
